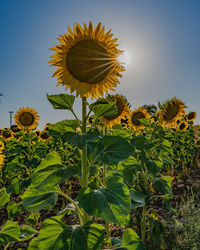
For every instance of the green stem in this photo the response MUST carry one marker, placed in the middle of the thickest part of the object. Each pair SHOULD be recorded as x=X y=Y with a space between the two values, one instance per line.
x=144 y=210
x=7 y=246
x=84 y=169
x=76 y=118
x=80 y=213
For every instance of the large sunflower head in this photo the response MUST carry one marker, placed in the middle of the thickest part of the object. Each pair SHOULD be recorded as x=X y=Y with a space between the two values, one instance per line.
x=26 y=118
x=172 y=110
x=135 y=116
x=86 y=60
x=191 y=116
x=122 y=110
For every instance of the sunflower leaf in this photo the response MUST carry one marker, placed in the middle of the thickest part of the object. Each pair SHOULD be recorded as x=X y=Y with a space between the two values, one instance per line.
x=111 y=203
x=61 y=101
x=105 y=109
x=89 y=236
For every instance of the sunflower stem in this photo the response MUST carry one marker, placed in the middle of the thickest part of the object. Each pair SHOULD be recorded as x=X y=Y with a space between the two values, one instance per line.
x=84 y=169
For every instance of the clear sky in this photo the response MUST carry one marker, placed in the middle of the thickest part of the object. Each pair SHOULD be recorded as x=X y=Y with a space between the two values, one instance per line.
x=162 y=39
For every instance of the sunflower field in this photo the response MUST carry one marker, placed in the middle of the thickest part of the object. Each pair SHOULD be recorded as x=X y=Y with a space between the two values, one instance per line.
x=112 y=179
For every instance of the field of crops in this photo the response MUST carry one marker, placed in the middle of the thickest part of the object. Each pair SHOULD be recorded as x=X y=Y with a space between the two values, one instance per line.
x=112 y=179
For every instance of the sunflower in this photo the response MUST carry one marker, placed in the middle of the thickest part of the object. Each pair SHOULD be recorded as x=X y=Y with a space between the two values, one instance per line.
x=122 y=110
x=44 y=136
x=171 y=112
x=26 y=118
x=86 y=61
x=37 y=132
x=1 y=160
x=2 y=146
x=46 y=128
x=7 y=134
x=191 y=116
x=182 y=126
x=135 y=116
x=14 y=128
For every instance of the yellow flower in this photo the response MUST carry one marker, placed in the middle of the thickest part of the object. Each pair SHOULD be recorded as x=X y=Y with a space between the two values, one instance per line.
x=44 y=136
x=14 y=128
x=191 y=116
x=2 y=157
x=135 y=116
x=37 y=132
x=87 y=61
x=171 y=112
x=122 y=111
x=2 y=146
x=7 y=134
x=182 y=126
x=26 y=118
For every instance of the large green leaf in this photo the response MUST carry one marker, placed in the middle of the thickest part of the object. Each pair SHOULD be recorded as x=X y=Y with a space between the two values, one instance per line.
x=4 y=197
x=163 y=184
x=51 y=172
x=105 y=109
x=131 y=241
x=81 y=140
x=39 y=199
x=111 y=203
x=61 y=101
x=112 y=149
x=26 y=232
x=10 y=232
x=55 y=234
x=13 y=210
x=137 y=199
x=33 y=244
x=60 y=128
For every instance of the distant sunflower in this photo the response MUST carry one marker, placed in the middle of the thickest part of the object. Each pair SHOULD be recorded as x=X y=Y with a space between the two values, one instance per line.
x=37 y=133
x=2 y=157
x=7 y=134
x=171 y=112
x=122 y=111
x=2 y=146
x=14 y=128
x=26 y=118
x=87 y=61
x=135 y=116
x=46 y=128
x=182 y=126
x=191 y=116
x=44 y=136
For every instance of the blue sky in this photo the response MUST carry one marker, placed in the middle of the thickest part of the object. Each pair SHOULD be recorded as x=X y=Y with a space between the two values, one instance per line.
x=162 y=39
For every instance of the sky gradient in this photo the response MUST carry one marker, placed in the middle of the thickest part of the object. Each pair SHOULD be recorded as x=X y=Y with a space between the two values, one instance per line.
x=162 y=39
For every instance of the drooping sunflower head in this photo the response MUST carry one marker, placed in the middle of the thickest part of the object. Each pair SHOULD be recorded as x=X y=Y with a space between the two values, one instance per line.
x=171 y=112
x=86 y=61
x=26 y=118
x=135 y=116
x=122 y=110
x=191 y=116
